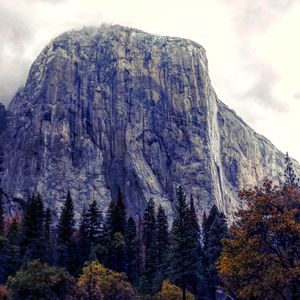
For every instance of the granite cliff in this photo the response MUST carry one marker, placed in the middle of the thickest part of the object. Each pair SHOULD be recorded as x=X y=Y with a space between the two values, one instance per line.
x=116 y=107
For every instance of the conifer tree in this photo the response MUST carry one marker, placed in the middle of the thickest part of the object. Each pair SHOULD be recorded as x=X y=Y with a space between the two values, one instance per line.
x=184 y=260
x=48 y=235
x=289 y=173
x=120 y=214
x=162 y=237
x=10 y=254
x=13 y=231
x=114 y=239
x=84 y=244
x=32 y=244
x=162 y=245
x=1 y=214
x=150 y=246
x=216 y=230
x=65 y=231
x=94 y=220
x=132 y=248
x=195 y=280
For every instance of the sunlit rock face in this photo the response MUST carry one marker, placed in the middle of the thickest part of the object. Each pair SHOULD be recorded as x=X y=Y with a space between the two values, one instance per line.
x=116 y=107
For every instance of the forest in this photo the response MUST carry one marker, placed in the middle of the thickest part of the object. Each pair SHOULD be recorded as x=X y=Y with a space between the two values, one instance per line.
x=110 y=256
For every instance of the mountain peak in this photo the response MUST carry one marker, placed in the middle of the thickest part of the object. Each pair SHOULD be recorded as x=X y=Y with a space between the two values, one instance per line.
x=114 y=107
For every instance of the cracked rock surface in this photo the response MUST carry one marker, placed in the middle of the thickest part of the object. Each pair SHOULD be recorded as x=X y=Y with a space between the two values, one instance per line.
x=116 y=107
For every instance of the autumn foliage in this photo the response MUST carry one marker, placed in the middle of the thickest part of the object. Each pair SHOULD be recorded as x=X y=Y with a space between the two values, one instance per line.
x=4 y=293
x=170 y=291
x=97 y=282
x=261 y=258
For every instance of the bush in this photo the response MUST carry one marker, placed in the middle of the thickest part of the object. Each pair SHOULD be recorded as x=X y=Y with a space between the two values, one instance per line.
x=97 y=282
x=170 y=291
x=40 y=281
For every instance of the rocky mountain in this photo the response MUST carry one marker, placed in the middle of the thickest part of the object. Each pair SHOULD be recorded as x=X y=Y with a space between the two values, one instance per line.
x=116 y=107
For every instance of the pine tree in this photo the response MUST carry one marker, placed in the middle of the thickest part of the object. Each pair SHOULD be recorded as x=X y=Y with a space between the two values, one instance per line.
x=84 y=243
x=289 y=173
x=195 y=279
x=216 y=230
x=114 y=239
x=94 y=220
x=48 y=235
x=150 y=246
x=132 y=248
x=65 y=230
x=1 y=214
x=162 y=238
x=13 y=259
x=13 y=232
x=32 y=244
x=120 y=214
x=184 y=262
x=162 y=245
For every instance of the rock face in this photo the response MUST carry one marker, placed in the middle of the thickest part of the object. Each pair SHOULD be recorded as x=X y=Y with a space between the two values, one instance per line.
x=116 y=107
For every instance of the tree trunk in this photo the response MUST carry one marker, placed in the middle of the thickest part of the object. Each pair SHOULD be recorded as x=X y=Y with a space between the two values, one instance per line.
x=183 y=291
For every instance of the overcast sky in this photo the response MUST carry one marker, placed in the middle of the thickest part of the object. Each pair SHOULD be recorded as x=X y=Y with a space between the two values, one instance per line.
x=253 y=48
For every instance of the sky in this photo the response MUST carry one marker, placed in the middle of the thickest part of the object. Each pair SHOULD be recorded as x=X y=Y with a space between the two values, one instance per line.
x=253 y=48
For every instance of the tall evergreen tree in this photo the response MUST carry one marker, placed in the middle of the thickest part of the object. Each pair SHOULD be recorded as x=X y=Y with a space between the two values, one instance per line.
x=150 y=246
x=162 y=247
x=94 y=220
x=184 y=262
x=13 y=231
x=162 y=238
x=216 y=230
x=132 y=248
x=120 y=214
x=84 y=243
x=13 y=261
x=65 y=230
x=32 y=244
x=197 y=278
x=48 y=236
x=1 y=214
x=114 y=239
x=289 y=173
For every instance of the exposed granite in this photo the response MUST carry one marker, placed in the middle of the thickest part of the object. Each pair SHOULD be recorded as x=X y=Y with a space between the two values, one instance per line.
x=112 y=106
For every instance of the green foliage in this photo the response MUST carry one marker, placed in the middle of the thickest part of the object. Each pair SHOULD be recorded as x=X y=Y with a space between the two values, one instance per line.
x=40 y=281
x=48 y=236
x=32 y=243
x=132 y=248
x=114 y=237
x=162 y=238
x=9 y=251
x=184 y=261
x=1 y=214
x=216 y=229
x=65 y=230
x=149 y=240
x=84 y=243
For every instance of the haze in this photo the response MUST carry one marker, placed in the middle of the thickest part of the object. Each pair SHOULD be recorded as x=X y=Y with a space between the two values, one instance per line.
x=252 y=48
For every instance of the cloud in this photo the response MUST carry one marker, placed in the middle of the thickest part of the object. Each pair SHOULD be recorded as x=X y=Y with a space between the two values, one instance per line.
x=262 y=90
x=256 y=16
x=15 y=34
x=252 y=47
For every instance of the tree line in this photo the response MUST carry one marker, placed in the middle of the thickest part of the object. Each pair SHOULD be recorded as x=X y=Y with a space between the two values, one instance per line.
x=150 y=258
x=114 y=257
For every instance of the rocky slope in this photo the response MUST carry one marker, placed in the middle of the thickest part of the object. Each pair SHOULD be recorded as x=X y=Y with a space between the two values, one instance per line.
x=116 y=107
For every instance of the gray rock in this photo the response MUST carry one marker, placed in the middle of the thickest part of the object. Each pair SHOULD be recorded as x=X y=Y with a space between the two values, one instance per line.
x=116 y=107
